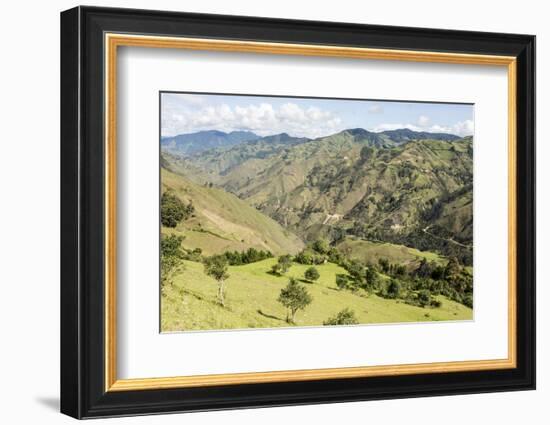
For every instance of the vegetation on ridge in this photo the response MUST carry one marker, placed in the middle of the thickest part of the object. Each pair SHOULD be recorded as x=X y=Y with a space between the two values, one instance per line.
x=357 y=227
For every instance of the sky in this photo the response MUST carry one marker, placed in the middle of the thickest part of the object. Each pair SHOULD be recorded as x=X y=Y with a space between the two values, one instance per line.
x=183 y=113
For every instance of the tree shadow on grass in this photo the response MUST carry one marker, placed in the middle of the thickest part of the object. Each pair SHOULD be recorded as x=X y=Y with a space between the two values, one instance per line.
x=269 y=316
x=307 y=282
x=200 y=297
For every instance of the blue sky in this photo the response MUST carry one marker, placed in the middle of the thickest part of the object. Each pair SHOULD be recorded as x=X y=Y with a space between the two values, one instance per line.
x=310 y=117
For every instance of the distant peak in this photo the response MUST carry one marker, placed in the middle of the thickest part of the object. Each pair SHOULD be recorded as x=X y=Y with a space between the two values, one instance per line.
x=407 y=132
x=357 y=131
x=242 y=132
x=279 y=136
x=218 y=132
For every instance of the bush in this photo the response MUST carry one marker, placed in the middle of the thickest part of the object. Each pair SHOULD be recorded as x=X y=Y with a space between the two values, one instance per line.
x=251 y=255
x=342 y=281
x=393 y=290
x=311 y=274
x=173 y=210
x=399 y=270
x=321 y=246
x=468 y=300
x=424 y=298
x=344 y=317
x=424 y=269
x=334 y=256
x=372 y=278
x=170 y=246
x=357 y=272
x=304 y=257
x=384 y=264
x=193 y=255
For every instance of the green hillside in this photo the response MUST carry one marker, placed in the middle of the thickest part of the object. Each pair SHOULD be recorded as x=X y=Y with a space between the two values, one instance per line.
x=223 y=222
x=379 y=186
x=190 y=302
x=371 y=252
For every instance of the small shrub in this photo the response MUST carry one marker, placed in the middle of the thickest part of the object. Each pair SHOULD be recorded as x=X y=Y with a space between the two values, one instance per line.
x=344 y=317
x=424 y=298
x=311 y=274
x=342 y=281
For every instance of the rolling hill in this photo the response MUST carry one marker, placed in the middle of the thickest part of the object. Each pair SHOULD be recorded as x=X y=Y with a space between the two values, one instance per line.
x=252 y=292
x=223 y=222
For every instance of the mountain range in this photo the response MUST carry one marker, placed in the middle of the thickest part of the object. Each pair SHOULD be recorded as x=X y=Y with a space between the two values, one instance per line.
x=400 y=186
x=194 y=143
x=189 y=144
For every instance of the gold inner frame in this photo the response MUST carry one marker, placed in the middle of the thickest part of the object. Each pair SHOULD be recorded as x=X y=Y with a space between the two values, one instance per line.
x=113 y=41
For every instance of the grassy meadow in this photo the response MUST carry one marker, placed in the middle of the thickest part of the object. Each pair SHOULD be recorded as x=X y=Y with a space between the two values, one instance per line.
x=190 y=302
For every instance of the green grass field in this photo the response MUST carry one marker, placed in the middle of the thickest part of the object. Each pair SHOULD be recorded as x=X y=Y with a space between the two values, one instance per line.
x=371 y=252
x=251 y=301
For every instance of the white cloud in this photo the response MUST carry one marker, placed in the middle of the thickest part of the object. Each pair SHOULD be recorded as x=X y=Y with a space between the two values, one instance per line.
x=423 y=120
x=375 y=109
x=262 y=119
x=461 y=128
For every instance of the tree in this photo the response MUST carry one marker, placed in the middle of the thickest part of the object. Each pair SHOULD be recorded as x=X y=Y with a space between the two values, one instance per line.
x=424 y=297
x=170 y=258
x=304 y=257
x=321 y=246
x=284 y=262
x=372 y=278
x=171 y=245
x=173 y=210
x=452 y=269
x=438 y=272
x=294 y=297
x=357 y=273
x=384 y=264
x=216 y=267
x=424 y=269
x=344 y=317
x=394 y=289
x=399 y=270
x=334 y=256
x=311 y=274
x=169 y=267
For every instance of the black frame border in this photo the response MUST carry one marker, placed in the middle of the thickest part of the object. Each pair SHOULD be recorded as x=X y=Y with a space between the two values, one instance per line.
x=82 y=212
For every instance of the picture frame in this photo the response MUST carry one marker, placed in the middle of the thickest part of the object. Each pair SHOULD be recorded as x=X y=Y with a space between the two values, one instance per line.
x=90 y=40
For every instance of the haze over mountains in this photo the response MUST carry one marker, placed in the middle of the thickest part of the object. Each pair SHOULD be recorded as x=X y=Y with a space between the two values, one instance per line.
x=401 y=186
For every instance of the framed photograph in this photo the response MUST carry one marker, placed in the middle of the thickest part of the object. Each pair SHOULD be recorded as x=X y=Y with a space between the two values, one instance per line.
x=261 y=212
